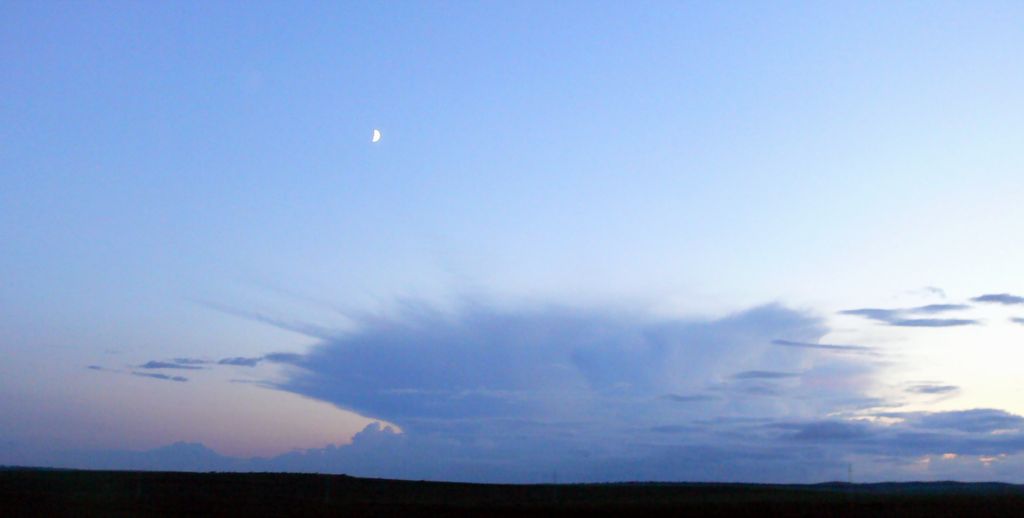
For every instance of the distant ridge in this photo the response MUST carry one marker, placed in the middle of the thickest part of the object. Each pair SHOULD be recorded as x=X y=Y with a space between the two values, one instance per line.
x=54 y=492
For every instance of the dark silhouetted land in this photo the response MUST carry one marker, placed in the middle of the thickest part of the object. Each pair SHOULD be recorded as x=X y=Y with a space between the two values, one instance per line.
x=32 y=492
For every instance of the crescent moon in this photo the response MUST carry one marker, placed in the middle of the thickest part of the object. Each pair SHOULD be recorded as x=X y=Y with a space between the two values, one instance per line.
x=376 y=136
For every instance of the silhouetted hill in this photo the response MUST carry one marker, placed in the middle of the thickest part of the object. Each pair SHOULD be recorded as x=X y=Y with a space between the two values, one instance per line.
x=29 y=492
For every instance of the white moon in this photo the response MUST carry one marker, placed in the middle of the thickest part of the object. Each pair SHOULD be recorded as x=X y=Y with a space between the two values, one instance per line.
x=376 y=136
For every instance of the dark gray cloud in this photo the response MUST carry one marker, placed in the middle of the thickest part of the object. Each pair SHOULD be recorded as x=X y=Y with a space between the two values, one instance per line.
x=156 y=375
x=1000 y=298
x=167 y=365
x=825 y=347
x=926 y=388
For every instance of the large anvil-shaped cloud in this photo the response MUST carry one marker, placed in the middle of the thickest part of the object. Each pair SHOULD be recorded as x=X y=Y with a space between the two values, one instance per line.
x=544 y=363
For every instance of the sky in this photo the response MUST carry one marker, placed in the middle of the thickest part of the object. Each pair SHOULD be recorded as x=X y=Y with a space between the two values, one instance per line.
x=599 y=241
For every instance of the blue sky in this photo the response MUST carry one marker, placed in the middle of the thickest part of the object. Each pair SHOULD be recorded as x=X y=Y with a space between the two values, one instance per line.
x=573 y=209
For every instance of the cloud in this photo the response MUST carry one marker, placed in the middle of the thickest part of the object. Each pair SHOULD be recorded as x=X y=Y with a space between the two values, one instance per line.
x=191 y=361
x=882 y=315
x=502 y=394
x=723 y=449
x=826 y=431
x=480 y=393
x=899 y=317
x=932 y=389
x=979 y=420
x=1017 y=320
x=999 y=298
x=933 y=322
x=167 y=365
x=938 y=308
x=241 y=361
x=764 y=375
x=304 y=328
x=293 y=358
x=158 y=376
x=825 y=347
x=481 y=362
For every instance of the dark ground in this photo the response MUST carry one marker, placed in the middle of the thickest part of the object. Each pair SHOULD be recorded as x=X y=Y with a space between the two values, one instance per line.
x=30 y=492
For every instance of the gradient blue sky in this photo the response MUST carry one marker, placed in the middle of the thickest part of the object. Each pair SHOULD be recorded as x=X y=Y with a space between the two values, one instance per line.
x=573 y=208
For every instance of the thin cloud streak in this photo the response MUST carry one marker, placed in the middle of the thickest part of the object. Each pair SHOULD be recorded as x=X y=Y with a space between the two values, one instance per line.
x=899 y=317
x=933 y=389
x=825 y=347
x=1005 y=299
x=159 y=376
x=304 y=328
x=167 y=365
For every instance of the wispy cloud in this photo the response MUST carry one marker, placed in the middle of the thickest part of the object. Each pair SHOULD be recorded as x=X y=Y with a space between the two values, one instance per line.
x=999 y=298
x=241 y=361
x=304 y=328
x=979 y=420
x=764 y=375
x=904 y=317
x=252 y=361
x=159 y=376
x=933 y=322
x=935 y=291
x=938 y=308
x=927 y=388
x=825 y=347
x=168 y=365
x=191 y=361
